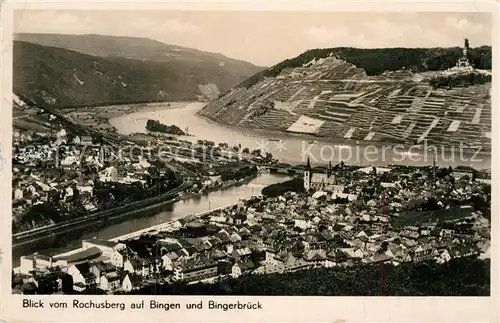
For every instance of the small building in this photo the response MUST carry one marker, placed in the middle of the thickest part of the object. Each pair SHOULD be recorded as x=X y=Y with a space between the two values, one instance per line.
x=130 y=282
x=82 y=276
x=34 y=262
x=107 y=247
x=111 y=281
x=242 y=267
x=196 y=268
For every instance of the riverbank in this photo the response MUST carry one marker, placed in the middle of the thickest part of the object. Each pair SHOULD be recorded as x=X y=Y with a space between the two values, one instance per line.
x=157 y=228
x=307 y=138
x=121 y=212
x=138 y=205
x=178 y=208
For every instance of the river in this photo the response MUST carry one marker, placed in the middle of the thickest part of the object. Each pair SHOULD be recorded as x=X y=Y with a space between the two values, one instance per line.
x=293 y=149
x=170 y=212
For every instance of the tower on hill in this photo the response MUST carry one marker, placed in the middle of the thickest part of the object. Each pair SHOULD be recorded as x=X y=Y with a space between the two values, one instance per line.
x=463 y=62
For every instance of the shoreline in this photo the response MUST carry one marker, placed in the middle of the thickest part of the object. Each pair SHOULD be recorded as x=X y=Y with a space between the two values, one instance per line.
x=417 y=148
x=157 y=227
x=335 y=140
x=222 y=186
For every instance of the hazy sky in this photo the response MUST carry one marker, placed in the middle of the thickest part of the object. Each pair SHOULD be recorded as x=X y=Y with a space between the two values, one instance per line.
x=265 y=38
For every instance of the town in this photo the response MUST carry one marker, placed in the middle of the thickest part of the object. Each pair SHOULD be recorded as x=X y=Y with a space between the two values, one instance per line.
x=339 y=216
x=156 y=169
x=59 y=175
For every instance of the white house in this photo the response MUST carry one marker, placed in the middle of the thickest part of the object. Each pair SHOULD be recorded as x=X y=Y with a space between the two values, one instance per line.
x=318 y=181
x=137 y=266
x=443 y=257
x=86 y=189
x=110 y=174
x=31 y=189
x=236 y=271
x=35 y=262
x=110 y=281
x=130 y=282
x=61 y=133
x=167 y=262
x=75 y=273
x=18 y=194
x=69 y=160
x=82 y=276
x=68 y=192
x=116 y=259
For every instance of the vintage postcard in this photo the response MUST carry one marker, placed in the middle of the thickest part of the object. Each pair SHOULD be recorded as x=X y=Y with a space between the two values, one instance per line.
x=258 y=161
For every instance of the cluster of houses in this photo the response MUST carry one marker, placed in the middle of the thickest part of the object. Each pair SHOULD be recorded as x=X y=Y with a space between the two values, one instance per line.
x=291 y=232
x=54 y=169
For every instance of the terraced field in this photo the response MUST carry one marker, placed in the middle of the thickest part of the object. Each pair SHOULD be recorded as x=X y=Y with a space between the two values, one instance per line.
x=344 y=102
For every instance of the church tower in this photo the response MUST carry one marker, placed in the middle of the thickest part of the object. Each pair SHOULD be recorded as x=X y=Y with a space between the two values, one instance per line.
x=307 y=175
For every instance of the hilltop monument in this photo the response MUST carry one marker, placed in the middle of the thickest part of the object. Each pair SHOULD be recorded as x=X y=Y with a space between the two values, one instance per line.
x=463 y=64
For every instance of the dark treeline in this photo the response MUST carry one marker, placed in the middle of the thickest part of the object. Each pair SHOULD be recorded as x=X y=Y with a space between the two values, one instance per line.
x=376 y=61
x=459 y=277
x=460 y=80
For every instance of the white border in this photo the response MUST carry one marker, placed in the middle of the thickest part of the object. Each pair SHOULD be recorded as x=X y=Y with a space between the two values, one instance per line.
x=281 y=309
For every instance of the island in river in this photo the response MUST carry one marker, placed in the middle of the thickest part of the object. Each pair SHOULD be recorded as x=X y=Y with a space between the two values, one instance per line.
x=157 y=126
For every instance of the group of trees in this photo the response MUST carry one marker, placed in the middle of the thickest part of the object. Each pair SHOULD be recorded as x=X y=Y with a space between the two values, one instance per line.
x=293 y=185
x=238 y=173
x=156 y=126
x=460 y=80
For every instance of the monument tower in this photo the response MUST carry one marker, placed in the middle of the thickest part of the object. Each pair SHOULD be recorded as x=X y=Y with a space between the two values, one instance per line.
x=463 y=62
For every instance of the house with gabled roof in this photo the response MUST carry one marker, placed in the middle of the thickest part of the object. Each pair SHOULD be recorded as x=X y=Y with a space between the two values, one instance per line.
x=131 y=282
x=317 y=255
x=136 y=265
x=111 y=281
x=82 y=276
x=241 y=253
x=196 y=268
x=242 y=267
x=379 y=258
x=100 y=268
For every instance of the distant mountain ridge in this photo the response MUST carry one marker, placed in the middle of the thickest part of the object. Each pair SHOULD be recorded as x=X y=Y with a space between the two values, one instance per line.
x=138 y=48
x=80 y=70
x=375 y=61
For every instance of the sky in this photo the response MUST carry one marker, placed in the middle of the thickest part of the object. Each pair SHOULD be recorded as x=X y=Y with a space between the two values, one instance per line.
x=266 y=38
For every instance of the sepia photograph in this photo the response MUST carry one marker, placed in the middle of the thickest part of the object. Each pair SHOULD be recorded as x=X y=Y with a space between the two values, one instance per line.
x=249 y=153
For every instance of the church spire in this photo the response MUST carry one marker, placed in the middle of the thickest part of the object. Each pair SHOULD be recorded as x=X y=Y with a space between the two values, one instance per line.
x=308 y=163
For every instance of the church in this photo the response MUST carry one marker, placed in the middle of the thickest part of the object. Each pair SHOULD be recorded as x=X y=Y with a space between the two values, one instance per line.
x=319 y=181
